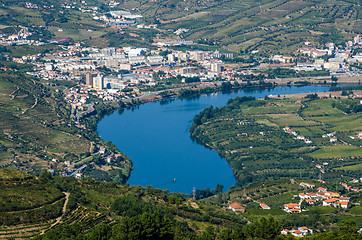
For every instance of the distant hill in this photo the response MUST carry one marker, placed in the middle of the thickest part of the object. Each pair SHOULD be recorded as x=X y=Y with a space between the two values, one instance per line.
x=267 y=26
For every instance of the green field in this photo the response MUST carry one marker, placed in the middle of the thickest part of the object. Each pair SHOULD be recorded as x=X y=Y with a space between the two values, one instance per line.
x=356 y=167
x=338 y=151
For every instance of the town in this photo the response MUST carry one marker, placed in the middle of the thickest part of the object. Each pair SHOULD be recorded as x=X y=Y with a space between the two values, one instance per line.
x=114 y=74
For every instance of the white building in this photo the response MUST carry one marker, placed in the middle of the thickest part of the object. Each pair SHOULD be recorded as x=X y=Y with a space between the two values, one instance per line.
x=216 y=67
x=98 y=82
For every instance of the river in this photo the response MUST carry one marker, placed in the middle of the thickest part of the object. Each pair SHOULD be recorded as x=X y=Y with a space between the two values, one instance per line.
x=156 y=137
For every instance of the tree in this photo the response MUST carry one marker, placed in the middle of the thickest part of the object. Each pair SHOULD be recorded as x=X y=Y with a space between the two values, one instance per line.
x=264 y=228
x=348 y=230
x=225 y=234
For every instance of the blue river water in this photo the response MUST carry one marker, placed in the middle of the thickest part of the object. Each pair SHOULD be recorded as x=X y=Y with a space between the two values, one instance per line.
x=156 y=137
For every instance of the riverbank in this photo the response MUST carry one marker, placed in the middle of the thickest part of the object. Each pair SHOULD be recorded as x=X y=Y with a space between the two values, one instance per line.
x=210 y=87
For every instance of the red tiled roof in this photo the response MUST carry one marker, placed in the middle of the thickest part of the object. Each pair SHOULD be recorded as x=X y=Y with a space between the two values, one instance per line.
x=291 y=205
x=236 y=206
x=263 y=205
x=295 y=210
x=331 y=200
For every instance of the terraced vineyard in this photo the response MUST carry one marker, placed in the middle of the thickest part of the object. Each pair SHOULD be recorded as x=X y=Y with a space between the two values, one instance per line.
x=249 y=133
x=34 y=125
x=267 y=26
x=86 y=204
x=228 y=25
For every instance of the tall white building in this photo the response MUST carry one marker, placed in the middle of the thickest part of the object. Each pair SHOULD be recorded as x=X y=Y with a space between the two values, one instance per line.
x=216 y=67
x=98 y=82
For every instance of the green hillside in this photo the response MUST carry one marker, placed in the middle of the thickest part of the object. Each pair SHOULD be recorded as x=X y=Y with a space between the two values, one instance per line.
x=233 y=25
x=47 y=207
x=36 y=131
x=249 y=134
x=31 y=205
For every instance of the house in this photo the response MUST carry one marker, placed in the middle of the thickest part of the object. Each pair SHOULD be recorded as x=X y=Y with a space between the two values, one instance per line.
x=311 y=195
x=79 y=175
x=333 y=139
x=300 y=232
x=321 y=189
x=302 y=196
x=297 y=233
x=301 y=137
x=309 y=201
x=264 y=206
x=306 y=185
x=109 y=159
x=355 y=189
x=331 y=202
x=354 y=181
x=331 y=194
x=292 y=208
x=237 y=207
x=344 y=204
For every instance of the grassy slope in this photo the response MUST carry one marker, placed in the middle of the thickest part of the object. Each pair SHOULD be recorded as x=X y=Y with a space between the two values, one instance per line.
x=276 y=154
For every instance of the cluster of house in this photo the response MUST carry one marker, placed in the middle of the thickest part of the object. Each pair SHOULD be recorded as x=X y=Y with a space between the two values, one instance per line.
x=31 y=5
x=340 y=63
x=300 y=232
x=27 y=58
x=359 y=136
x=77 y=97
x=328 y=198
x=82 y=6
x=350 y=188
x=292 y=208
x=181 y=31
x=19 y=38
x=332 y=137
x=297 y=136
x=118 y=19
